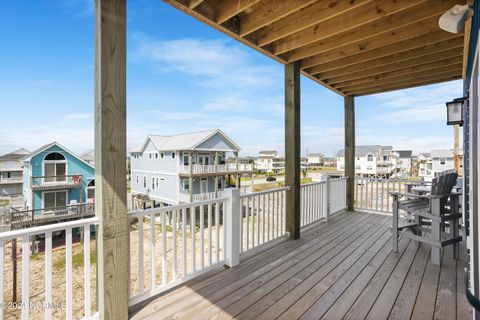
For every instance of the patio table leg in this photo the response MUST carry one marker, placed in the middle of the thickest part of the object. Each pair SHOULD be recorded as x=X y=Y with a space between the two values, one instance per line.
x=395 y=224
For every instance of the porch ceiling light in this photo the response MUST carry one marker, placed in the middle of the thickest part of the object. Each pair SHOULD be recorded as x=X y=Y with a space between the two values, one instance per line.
x=455 y=111
x=454 y=19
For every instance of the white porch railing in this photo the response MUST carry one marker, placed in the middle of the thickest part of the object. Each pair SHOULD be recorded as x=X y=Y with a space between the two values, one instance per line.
x=372 y=194
x=263 y=218
x=11 y=180
x=313 y=204
x=207 y=196
x=170 y=245
x=54 y=296
x=219 y=168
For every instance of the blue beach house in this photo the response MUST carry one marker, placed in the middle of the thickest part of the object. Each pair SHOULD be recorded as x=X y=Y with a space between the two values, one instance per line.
x=55 y=177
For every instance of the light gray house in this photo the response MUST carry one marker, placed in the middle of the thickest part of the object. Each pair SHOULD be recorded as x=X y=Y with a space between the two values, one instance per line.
x=372 y=161
x=11 y=172
x=185 y=168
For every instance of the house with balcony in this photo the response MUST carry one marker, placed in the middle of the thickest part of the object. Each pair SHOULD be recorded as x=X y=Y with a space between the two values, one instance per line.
x=405 y=161
x=372 y=161
x=55 y=178
x=11 y=172
x=185 y=168
x=444 y=160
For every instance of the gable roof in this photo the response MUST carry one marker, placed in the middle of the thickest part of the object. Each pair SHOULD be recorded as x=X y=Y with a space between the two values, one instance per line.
x=315 y=155
x=15 y=155
x=361 y=151
x=184 y=141
x=45 y=147
x=268 y=151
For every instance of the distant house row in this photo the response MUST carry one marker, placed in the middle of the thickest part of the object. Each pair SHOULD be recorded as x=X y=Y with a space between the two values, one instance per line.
x=384 y=161
x=269 y=161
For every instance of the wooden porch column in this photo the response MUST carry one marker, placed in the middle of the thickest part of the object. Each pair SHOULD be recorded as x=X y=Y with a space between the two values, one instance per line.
x=350 y=150
x=110 y=158
x=292 y=148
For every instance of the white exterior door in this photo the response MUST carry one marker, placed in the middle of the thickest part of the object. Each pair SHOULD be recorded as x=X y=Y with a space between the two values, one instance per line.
x=204 y=185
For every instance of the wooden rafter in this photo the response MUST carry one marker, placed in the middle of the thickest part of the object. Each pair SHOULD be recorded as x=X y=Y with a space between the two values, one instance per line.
x=270 y=12
x=364 y=14
x=391 y=22
x=452 y=69
x=432 y=60
x=407 y=84
x=352 y=47
x=227 y=9
x=428 y=49
x=320 y=11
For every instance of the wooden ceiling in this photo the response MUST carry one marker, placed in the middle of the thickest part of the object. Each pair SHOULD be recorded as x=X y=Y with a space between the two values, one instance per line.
x=354 y=47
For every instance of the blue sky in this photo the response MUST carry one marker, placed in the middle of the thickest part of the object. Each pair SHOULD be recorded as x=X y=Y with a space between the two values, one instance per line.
x=182 y=76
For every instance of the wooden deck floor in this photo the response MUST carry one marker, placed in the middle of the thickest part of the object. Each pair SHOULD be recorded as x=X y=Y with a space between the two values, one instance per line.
x=341 y=269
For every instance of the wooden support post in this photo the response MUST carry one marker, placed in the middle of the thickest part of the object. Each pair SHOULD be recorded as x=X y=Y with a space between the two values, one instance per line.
x=350 y=150
x=292 y=148
x=110 y=158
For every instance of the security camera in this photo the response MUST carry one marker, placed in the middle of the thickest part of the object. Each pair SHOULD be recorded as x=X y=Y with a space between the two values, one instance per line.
x=454 y=19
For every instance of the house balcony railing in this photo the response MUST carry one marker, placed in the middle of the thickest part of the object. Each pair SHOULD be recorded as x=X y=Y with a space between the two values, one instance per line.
x=11 y=180
x=189 y=240
x=198 y=169
x=5 y=167
x=56 y=182
x=185 y=197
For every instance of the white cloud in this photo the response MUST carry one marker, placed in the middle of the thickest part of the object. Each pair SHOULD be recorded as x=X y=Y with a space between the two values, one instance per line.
x=213 y=63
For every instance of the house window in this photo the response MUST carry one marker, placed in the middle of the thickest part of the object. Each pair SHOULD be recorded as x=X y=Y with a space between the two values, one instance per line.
x=91 y=189
x=358 y=167
x=185 y=159
x=442 y=161
x=54 y=199
x=173 y=155
x=157 y=182
x=55 y=167
x=185 y=184
x=137 y=178
x=220 y=184
x=144 y=181
x=150 y=155
x=370 y=168
x=156 y=155
x=358 y=158
x=385 y=158
x=369 y=157
x=153 y=183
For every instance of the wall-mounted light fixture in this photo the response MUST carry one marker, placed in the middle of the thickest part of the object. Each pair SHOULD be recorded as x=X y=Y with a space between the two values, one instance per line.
x=454 y=19
x=455 y=111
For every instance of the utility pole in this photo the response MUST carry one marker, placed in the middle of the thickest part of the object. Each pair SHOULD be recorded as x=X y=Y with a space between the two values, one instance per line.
x=456 y=157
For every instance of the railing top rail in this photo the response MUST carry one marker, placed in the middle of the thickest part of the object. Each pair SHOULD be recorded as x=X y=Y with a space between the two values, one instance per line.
x=396 y=180
x=313 y=183
x=253 y=194
x=68 y=206
x=48 y=228
x=148 y=212
x=58 y=176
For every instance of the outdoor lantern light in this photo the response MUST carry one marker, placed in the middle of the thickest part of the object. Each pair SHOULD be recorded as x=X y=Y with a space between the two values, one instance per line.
x=455 y=111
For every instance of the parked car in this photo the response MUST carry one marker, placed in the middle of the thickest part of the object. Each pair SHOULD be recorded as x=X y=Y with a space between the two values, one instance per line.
x=270 y=179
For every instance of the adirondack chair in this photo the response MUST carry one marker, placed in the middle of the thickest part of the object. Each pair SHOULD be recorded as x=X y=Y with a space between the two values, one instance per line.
x=433 y=213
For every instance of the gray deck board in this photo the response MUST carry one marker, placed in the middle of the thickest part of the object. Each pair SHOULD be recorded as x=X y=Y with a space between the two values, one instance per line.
x=341 y=269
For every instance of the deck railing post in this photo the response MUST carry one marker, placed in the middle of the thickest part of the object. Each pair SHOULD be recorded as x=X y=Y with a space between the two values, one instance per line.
x=232 y=224
x=326 y=196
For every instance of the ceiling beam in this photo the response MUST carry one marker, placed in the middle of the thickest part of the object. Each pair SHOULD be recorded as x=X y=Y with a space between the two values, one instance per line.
x=455 y=53
x=440 y=71
x=393 y=48
x=350 y=20
x=385 y=60
x=406 y=85
x=227 y=9
x=192 y=4
x=387 y=23
x=393 y=37
x=270 y=12
x=308 y=16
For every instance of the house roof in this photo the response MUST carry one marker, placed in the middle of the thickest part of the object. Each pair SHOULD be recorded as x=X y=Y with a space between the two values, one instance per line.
x=361 y=151
x=315 y=155
x=404 y=153
x=15 y=155
x=184 y=141
x=88 y=155
x=263 y=152
x=444 y=153
x=45 y=147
